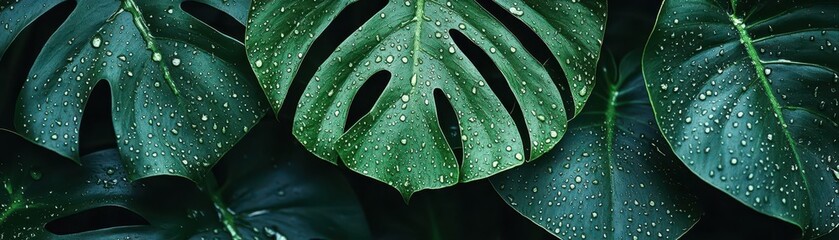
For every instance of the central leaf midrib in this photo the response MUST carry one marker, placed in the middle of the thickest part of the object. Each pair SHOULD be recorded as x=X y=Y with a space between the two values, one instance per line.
x=151 y=44
x=748 y=43
x=16 y=202
x=609 y=125
x=418 y=15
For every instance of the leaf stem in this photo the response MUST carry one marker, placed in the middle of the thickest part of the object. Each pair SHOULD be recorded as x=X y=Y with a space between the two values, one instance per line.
x=151 y=44
x=432 y=219
x=227 y=216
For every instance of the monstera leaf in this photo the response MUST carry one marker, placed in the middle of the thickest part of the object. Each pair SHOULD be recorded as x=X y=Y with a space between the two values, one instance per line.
x=612 y=176
x=745 y=92
x=182 y=95
x=399 y=141
x=261 y=196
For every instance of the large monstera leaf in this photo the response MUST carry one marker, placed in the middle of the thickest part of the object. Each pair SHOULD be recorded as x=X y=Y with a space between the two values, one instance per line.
x=612 y=176
x=182 y=94
x=746 y=94
x=261 y=196
x=399 y=141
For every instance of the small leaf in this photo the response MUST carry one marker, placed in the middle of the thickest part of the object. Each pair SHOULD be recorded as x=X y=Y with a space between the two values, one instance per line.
x=612 y=176
x=399 y=141
x=261 y=196
x=746 y=95
x=182 y=96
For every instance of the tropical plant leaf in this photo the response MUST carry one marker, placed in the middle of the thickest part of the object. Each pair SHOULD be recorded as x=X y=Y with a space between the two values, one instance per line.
x=745 y=92
x=399 y=141
x=182 y=96
x=612 y=176
x=261 y=196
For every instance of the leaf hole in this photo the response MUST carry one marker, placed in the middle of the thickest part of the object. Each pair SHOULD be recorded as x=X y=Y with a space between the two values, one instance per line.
x=487 y=68
x=21 y=54
x=95 y=219
x=217 y=19
x=536 y=47
x=97 y=129
x=366 y=97
x=350 y=19
x=447 y=119
x=496 y=81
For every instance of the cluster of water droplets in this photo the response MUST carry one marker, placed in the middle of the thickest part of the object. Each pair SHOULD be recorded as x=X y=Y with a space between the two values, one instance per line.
x=180 y=100
x=609 y=178
x=751 y=106
x=399 y=141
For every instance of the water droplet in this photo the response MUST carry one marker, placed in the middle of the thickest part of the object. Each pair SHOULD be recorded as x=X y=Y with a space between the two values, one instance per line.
x=36 y=175
x=516 y=11
x=96 y=42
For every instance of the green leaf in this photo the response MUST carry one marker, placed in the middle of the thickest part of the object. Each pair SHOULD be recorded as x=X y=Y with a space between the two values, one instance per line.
x=262 y=195
x=399 y=141
x=745 y=92
x=612 y=176
x=181 y=93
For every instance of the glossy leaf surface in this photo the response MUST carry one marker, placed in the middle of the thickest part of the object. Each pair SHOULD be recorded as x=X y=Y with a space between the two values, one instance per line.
x=182 y=94
x=399 y=141
x=746 y=94
x=611 y=176
x=263 y=195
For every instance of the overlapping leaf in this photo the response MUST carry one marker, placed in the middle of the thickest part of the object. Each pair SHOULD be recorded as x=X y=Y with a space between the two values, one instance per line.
x=182 y=93
x=262 y=196
x=612 y=176
x=399 y=141
x=745 y=92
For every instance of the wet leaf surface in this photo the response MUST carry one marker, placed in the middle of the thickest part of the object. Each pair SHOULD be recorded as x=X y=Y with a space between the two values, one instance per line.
x=746 y=95
x=181 y=93
x=612 y=176
x=399 y=141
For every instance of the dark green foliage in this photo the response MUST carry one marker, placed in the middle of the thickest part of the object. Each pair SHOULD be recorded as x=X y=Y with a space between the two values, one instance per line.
x=262 y=193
